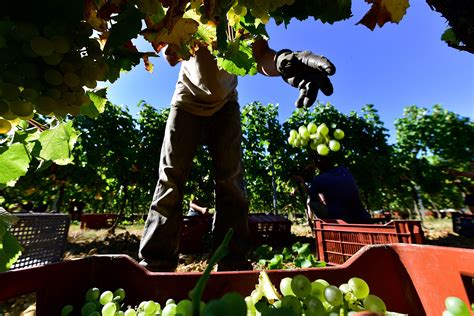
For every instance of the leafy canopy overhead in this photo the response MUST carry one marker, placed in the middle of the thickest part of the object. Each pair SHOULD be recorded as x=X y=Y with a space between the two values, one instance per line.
x=227 y=28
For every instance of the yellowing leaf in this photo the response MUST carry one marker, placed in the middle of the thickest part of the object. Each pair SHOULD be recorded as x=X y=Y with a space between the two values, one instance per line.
x=383 y=11
x=182 y=33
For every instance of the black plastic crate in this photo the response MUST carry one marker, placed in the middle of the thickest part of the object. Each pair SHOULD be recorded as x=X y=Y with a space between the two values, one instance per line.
x=42 y=236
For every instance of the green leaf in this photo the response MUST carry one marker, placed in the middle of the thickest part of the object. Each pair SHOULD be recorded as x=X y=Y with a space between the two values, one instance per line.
x=126 y=28
x=10 y=251
x=97 y=104
x=238 y=60
x=57 y=143
x=14 y=161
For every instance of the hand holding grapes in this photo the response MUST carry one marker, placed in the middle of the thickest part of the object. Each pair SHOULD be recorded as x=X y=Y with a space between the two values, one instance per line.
x=307 y=72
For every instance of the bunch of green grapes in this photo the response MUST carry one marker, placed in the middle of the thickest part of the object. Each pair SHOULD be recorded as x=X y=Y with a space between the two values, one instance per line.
x=318 y=138
x=108 y=303
x=46 y=69
x=300 y=296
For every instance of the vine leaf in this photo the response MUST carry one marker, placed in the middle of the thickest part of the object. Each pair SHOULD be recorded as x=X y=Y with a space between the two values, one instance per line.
x=97 y=104
x=15 y=161
x=57 y=143
x=182 y=33
x=383 y=11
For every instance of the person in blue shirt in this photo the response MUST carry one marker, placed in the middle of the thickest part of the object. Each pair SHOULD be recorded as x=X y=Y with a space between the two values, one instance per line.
x=334 y=194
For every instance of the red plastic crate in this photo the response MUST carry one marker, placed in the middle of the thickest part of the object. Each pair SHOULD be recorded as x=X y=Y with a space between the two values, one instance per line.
x=193 y=232
x=98 y=221
x=412 y=279
x=337 y=240
x=269 y=228
x=463 y=224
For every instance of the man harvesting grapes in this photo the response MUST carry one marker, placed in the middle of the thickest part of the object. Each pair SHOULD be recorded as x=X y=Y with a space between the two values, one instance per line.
x=205 y=109
x=334 y=194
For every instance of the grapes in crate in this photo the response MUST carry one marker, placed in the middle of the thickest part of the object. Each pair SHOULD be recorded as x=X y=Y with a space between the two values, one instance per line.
x=297 y=296
x=317 y=137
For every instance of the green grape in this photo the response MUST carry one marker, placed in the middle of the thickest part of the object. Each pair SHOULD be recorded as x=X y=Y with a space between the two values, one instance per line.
x=301 y=286
x=10 y=92
x=120 y=292
x=61 y=44
x=46 y=105
x=91 y=84
x=169 y=310
x=313 y=306
x=236 y=302
x=29 y=94
x=323 y=129
x=303 y=132
x=375 y=304
x=322 y=149
x=334 y=145
x=312 y=128
x=119 y=313
x=92 y=294
x=72 y=80
x=333 y=295
x=293 y=133
x=5 y=126
x=338 y=134
x=9 y=116
x=109 y=309
x=66 y=310
x=4 y=107
x=21 y=108
x=41 y=46
x=53 y=77
x=456 y=306
x=150 y=307
x=130 y=312
x=66 y=66
x=170 y=301
x=53 y=93
x=88 y=308
x=293 y=303
x=285 y=286
x=53 y=59
x=359 y=287
x=106 y=297
x=184 y=307
x=313 y=145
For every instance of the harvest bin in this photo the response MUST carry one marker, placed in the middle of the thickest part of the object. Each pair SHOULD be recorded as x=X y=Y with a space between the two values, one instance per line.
x=269 y=228
x=413 y=279
x=337 y=240
x=463 y=224
x=42 y=236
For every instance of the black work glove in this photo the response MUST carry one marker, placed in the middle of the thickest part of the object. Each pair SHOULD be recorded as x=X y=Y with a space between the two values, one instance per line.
x=307 y=72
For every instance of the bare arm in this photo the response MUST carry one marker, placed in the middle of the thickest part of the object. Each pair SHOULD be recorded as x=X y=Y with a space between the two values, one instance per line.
x=200 y=209
x=265 y=57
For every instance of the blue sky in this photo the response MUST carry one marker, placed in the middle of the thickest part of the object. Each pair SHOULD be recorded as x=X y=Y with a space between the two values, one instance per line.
x=391 y=67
